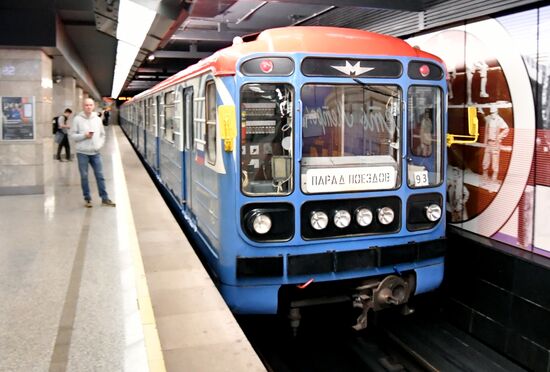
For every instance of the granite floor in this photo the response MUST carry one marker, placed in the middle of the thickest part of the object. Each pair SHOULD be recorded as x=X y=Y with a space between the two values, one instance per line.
x=68 y=279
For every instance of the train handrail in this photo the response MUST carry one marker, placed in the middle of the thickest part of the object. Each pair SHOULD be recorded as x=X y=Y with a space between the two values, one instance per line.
x=473 y=131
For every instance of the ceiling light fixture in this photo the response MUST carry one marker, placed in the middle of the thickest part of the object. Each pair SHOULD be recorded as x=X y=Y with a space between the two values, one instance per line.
x=134 y=21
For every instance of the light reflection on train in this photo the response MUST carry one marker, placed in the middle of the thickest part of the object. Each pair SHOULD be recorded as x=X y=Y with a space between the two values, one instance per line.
x=309 y=165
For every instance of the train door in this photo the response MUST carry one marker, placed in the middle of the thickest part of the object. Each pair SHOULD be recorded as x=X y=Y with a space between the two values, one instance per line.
x=151 y=129
x=162 y=153
x=132 y=123
x=197 y=146
x=159 y=125
x=143 y=147
x=139 y=123
x=141 y=126
x=170 y=139
x=188 y=144
x=197 y=158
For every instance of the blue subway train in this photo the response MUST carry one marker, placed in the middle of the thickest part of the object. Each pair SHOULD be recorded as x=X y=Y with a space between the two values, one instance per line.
x=309 y=165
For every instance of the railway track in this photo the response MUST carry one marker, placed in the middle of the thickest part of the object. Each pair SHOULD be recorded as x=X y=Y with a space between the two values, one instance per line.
x=393 y=343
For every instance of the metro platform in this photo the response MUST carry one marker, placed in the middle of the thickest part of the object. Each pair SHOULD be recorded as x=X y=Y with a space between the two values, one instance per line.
x=108 y=289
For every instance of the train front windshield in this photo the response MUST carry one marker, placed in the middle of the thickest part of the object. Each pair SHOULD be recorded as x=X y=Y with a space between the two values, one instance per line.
x=350 y=138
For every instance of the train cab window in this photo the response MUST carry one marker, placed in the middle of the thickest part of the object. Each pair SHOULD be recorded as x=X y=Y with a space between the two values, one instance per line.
x=425 y=132
x=169 y=120
x=211 y=110
x=267 y=139
x=350 y=138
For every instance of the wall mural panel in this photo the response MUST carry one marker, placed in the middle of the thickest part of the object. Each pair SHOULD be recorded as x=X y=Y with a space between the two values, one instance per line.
x=499 y=187
x=541 y=202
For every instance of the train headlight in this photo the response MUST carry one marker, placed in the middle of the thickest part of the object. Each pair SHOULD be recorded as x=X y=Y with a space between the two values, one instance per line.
x=433 y=212
x=363 y=216
x=342 y=218
x=385 y=215
x=318 y=220
x=261 y=223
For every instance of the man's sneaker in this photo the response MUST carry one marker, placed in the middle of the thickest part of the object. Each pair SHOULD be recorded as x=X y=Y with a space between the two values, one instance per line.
x=88 y=204
x=108 y=203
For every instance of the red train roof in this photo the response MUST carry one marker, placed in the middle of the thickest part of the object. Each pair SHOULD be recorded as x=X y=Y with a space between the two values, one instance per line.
x=304 y=39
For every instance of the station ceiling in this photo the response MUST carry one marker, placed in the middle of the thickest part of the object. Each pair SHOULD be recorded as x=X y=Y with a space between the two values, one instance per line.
x=184 y=31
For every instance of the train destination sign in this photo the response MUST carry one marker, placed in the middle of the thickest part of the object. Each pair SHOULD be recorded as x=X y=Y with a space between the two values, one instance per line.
x=348 y=179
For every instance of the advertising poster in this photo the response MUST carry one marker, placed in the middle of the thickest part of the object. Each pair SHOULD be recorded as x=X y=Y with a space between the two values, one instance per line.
x=17 y=118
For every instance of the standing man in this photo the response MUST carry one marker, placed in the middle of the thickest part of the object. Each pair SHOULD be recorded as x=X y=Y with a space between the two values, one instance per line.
x=63 y=127
x=88 y=133
x=106 y=115
x=496 y=130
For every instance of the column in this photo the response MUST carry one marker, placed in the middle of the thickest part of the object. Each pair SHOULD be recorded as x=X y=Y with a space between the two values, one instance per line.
x=79 y=97
x=64 y=93
x=26 y=133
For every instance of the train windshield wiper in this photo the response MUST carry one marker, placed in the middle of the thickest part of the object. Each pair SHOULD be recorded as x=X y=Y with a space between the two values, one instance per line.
x=371 y=89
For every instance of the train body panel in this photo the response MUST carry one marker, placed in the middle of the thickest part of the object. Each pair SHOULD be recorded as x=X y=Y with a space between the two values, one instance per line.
x=319 y=139
x=263 y=298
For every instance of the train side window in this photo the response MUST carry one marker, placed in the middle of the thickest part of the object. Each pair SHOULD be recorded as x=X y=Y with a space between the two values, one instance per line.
x=145 y=114
x=155 y=123
x=198 y=124
x=188 y=116
x=150 y=115
x=211 y=122
x=160 y=115
x=141 y=114
x=179 y=132
x=169 y=120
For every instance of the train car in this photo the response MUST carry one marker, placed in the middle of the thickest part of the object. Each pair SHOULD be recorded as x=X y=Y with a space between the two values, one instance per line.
x=309 y=165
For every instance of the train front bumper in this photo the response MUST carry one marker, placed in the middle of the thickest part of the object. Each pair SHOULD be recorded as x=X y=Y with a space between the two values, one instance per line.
x=254 y=296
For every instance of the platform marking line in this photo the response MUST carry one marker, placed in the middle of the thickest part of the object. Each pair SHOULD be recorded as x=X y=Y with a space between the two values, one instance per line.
x=60 y=353
x=153 y=347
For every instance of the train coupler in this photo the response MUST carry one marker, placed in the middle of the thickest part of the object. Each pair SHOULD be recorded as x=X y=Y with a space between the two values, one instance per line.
x=377 y=295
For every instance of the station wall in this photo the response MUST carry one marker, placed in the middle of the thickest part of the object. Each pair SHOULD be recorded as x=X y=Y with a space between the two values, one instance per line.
x=499 y=187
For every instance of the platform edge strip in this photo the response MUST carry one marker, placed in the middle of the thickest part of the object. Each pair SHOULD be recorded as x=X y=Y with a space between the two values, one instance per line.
x=153 y=349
